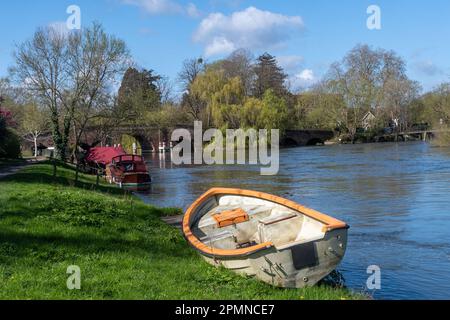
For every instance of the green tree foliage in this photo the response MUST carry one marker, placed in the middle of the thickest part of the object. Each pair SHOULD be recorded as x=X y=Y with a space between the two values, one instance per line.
x=139 y=93
x=144 y=101
x=434 y=108
x=274 y=113
x=251 y=113
x=438 y=101
x=317 y=110
x=226 y=104
x=228 y=107
x=204 y=88
x=268 y=76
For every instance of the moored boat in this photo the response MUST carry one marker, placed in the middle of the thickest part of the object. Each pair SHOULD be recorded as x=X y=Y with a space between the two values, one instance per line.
x=274 y=239
x=128 y=171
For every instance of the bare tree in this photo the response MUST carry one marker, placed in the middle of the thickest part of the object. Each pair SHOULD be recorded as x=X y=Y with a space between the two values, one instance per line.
x=439 y=101
x=165 y=88
x=41 y=67
x=240 y=64
x=193 y=105
x=370 y=80
x=96 y=59
x=34 y=124
x=69 y=73
x=189 y=72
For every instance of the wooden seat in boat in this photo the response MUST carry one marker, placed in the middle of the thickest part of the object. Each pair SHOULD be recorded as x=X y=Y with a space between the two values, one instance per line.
x=231 y=217
x=279 y=228
x=277 y=218
x=208 y=223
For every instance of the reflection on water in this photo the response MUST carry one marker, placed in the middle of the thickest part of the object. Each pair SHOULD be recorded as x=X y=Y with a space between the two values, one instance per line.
x=394 y=196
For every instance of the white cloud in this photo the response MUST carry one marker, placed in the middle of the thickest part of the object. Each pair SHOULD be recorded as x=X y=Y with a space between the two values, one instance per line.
x=306 y=75
x=250 y=29
x=219 y=45
x=304 y=79
x=155 y=7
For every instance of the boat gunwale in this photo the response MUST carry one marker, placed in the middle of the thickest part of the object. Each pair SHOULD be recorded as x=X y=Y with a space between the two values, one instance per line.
x=330 y=223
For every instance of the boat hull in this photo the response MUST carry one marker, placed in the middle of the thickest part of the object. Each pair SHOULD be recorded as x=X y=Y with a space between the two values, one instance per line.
x=296 y=266
x=136 y=179
x=139 y=181
x=129 y=171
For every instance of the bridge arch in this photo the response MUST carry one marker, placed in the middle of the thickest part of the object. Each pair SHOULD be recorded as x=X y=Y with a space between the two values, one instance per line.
x=306 y=137
x=290 y=142
x=143 y=143
x=315 y=142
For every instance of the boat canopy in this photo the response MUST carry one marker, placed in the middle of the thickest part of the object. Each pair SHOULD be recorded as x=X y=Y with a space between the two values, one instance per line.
x=104 y=155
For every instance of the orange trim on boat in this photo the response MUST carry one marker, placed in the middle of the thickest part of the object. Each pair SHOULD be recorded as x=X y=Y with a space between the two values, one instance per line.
x=329 y=222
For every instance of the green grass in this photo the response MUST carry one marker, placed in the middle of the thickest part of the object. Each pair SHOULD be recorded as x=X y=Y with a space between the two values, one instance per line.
x=122 y=247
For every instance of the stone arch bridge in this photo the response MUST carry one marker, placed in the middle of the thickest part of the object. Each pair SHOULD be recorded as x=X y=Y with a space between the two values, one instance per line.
x=150 y=138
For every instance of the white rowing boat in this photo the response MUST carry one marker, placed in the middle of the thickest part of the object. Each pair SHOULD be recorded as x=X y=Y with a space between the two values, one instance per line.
x=257 y=234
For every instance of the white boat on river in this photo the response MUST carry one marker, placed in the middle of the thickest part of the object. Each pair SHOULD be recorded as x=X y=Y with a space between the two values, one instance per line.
x=274 y=239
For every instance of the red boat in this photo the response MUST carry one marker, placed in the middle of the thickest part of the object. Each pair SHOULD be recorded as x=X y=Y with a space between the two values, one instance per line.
x=128 y=171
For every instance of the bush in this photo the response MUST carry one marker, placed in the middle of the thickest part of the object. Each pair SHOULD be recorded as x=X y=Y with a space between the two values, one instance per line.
x=442 y=139
x=9 y=142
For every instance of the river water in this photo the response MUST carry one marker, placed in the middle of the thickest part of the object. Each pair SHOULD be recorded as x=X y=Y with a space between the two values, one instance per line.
x=395 y=197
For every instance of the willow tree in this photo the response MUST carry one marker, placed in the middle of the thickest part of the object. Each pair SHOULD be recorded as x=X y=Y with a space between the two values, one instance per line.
x=274 y=112
x=204 y=87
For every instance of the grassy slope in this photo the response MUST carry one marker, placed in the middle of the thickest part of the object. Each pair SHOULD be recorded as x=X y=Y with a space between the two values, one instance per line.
x=123 y=249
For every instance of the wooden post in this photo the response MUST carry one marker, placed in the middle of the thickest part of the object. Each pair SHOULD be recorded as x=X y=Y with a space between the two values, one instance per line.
x=76 y=172
x=98 y=177
x=54 y=168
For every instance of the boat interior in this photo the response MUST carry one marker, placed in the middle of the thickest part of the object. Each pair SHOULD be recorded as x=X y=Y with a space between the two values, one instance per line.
x=232 y=222
x=129 y=163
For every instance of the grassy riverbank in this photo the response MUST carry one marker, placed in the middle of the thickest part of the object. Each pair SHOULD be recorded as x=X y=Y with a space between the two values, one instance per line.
x=123 y=249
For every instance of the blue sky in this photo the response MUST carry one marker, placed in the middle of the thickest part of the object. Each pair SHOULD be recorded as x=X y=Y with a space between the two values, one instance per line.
x=305 y=35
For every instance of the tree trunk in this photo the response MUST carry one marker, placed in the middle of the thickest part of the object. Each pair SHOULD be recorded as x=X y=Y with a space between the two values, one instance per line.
x=35 y=147
x=54 y=168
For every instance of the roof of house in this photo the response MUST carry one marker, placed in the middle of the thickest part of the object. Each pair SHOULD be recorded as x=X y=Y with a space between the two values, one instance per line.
x=368 y=115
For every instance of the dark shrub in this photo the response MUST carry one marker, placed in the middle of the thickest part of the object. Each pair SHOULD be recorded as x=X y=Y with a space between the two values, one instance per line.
x=9 y=141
